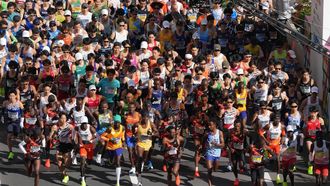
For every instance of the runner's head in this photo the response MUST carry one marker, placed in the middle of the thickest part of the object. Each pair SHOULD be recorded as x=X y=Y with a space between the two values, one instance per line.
x=237 y=125
x=116 y=121
x=213 y=124
x=314 y=111
x=171 y=131
x=84 y=122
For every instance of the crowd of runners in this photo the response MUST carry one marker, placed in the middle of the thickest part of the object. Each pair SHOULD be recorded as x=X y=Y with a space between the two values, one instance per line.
x=95 y=78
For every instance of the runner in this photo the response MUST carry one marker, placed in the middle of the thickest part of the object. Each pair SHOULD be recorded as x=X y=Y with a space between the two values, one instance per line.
x=114 y=136
x=13 y=119
x=288 y=154
x=314 y=123
x=63 y=131
x=214 y=142
x=86 y=137
x=32 y=146
x=144 y=132
x=236 y=141
x=320 y=158
x=173 y=151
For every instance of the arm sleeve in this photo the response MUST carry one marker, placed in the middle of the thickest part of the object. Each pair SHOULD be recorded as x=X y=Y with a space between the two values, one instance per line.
x=21 y=146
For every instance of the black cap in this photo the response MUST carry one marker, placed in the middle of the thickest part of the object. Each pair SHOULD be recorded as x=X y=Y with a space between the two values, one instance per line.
x=84 y=5
x=52 y=23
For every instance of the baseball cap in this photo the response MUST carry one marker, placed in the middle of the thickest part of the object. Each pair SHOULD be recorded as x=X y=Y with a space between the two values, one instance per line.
x=131 y=83
x=292 y=54
x=188 y=56
x=52 y=23
x=315 y=90
x=166 y=24
x=46 y=48
x=67 y=13
x=289 y=128
x=92 y=87
x=240 y=71
x=117 y=118
x=3 y=42
x=105 y=12
x=144 y=44
x=225 y=64
x=78 y=56
x=217 y=47
x=26 y=33
x=84 y=119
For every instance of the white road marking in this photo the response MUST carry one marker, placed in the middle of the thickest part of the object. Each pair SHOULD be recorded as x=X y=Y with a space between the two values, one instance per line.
x=134 y=179
x=268 y=179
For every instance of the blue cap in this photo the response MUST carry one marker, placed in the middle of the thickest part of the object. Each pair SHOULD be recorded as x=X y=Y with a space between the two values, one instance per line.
x=117 y=118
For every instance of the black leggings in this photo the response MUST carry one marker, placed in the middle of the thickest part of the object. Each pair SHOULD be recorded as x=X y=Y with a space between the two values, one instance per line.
x=257 y=173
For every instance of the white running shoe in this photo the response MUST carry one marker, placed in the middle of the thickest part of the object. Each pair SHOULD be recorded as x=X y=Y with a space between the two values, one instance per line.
x=98 y=159
x=229 y=168
x=74 y=161
x=132 y=171
x=139 y=184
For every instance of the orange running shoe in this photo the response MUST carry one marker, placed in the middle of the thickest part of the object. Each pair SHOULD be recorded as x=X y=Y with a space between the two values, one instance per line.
x=177 y=180
x=164 y=168
x=197 y=174
x=47 y=163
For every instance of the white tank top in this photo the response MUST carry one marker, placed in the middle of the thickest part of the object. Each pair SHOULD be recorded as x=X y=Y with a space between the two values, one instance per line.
x=86 y=135
x=264 y=119
x=321 y=154
x=229 y=118
x=274 y=132
x=144 y=77
x=260 y=95
x=120 y=37
x=77 y=115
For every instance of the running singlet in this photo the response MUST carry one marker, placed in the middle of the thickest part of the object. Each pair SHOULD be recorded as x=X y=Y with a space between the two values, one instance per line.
x=85 y=135
x=144 y=135
x=241 y=100
x=312 y=127
x=77 y=115
x=263 y=119
x=321 y=154
x=34 y=148
x=256 y=157
x=294 y=121
x=29 y=121
x=274 y=134
x=212 y=150
x=289 y=153
x=14 y=111
x=115 y=138
x=229 y=118
x=131 y=122
x=64 y=134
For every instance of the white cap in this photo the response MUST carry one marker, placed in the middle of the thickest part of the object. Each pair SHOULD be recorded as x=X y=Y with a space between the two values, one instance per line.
x=92 y=87
x=289 y=128
x=131 y=83
x=26 y=33
x=204 y=22
x=292 y=54
x=78 y=56
x=240 y=71
x=46 y=48
x=60 y=42
x=315 y=90
x=67 y=13
x=3 y=41
x=84 y=119
x=195 y=35
x=144 y=44
x=166 y=24
x=104 y=12
x=188 y=56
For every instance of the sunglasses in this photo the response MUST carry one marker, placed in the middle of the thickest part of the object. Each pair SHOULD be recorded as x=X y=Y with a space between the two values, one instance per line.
x=106 y=41
x=93 y=90
x=229 y=102
x=263 y=107
x=121 y=25
x=260 y=82
x=294 y=106
x=278 y=68
x=66 y=52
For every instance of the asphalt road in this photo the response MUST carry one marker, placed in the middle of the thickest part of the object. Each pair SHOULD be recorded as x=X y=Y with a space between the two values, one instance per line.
x=13 y=173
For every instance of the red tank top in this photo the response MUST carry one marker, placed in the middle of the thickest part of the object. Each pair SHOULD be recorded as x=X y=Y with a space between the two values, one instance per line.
x=93 y=103
x=64 y=83
x=312 y=127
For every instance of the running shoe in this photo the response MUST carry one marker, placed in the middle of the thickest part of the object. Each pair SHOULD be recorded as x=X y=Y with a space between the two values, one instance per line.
x=132 y=171
x=229 y=168
x=11 y=156
x=65 y=179
x=74 y=161
x=117 y=184
x=98 y=158
x=150 y=166
x=310 y=170
x=285 y=184
x=83 y=182
x=177 y=180
x=236 y=182
x=197 y=174
x=164 y=168
x=47 y=163
x=278 y=179
x=139 y=184
x=294 y=168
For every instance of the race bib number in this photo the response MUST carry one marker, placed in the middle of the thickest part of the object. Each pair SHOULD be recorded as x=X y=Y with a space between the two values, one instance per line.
x=144 y=138
x=229 y=119
x=31 y=121
x=274 y=135
x=115 y=140
x=199 y=130
x=238 y=146
x=173 y=151
x=192 y=18
x=256 y=158
x=13 y=115
x=103 y=120
x=111 y=91
x=312 y=132
x=35 y=149
x=305 y=90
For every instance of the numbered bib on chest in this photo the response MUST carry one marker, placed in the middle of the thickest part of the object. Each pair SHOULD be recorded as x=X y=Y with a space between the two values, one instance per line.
x=35 y=149
x=13 y=115
x=312 y=132
x=115 y=140
x=238 y=146
x=31 y=121
x=274 y=135
x=144 y=138
x=256 y=158
x=173 y=151
x=199 y=130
